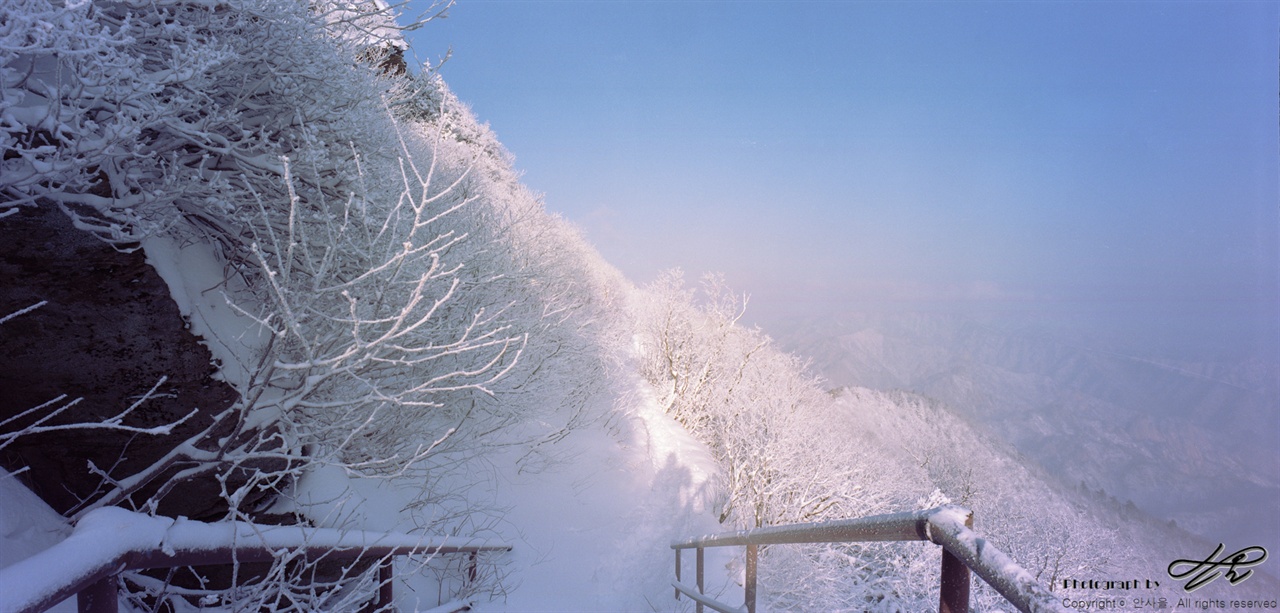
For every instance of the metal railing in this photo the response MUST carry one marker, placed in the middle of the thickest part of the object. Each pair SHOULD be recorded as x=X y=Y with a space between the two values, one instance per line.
x=949 y=526
x=110 y=541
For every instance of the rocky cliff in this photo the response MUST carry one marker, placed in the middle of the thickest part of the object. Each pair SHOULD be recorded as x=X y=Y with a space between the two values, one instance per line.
x=108 y=333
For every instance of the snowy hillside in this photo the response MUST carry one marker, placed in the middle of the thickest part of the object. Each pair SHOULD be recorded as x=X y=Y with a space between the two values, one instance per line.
x=416 y=345
x=1137 y=427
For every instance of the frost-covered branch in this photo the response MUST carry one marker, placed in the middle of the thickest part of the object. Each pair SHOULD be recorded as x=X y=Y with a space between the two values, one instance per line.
x=115 y=422
x=17 y=426
x=406 y=307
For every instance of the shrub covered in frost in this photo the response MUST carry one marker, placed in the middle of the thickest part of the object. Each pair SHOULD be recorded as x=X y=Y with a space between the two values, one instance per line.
x=406 y=303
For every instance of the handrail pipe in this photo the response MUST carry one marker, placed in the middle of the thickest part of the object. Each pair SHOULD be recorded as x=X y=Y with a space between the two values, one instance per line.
x=963 y=550
x=109 y=541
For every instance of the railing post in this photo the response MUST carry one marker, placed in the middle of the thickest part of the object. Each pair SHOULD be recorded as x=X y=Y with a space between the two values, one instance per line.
x=953 y=591
x=701 y=589
x=964 y=553
x=472 y=573
x=386 y=589
x=99 y=597
x=386 y=592
x=678 y=550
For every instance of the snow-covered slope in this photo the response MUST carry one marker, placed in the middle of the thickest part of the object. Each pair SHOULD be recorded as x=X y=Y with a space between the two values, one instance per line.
x=418 y=346
x=28 y=526
x=592 y=529
x=590 y=522
x=1189 y=442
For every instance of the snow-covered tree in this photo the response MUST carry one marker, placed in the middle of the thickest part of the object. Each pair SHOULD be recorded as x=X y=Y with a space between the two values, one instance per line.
x=404 y=303
x=791 y=453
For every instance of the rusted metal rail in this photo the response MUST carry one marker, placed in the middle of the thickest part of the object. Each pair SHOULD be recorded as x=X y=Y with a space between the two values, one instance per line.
x=949 y=526
x=110 y=541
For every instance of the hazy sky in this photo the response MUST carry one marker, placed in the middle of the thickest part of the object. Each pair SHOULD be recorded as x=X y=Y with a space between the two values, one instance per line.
x=822 y=153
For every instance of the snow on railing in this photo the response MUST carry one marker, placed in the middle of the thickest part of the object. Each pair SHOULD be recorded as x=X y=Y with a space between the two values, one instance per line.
x=111 y=540
x=949 y=526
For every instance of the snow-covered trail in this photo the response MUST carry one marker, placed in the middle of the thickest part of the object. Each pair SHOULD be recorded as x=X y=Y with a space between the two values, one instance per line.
x=592 y=532
x=590 y=529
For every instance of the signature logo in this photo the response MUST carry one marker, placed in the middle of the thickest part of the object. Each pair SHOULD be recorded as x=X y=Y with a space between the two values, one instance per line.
x=1204 y=572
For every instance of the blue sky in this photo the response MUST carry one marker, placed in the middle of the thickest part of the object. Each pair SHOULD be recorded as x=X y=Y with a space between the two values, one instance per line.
x=825 y=154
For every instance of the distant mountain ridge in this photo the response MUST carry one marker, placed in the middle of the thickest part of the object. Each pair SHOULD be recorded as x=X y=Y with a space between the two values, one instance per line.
x=1192 y=442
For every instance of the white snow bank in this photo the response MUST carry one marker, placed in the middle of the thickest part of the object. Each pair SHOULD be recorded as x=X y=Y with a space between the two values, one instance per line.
x=27 y=527
x=102 y=537
x=593 y=533
x=204 y=290
x=113 y=538
x=27 y=524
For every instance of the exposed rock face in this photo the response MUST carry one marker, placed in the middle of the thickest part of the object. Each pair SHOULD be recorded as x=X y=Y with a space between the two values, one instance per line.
x=109 y=332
